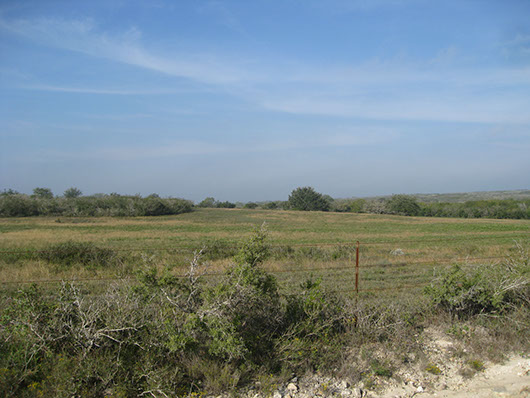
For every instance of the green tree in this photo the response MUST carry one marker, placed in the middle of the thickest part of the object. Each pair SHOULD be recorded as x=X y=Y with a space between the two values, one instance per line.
x=225 y=205
x=9 y=192
x=307 y=198
x=72 y=193
x=270 y=205
x=43 y=193
x=403 y=204
x=208 y=202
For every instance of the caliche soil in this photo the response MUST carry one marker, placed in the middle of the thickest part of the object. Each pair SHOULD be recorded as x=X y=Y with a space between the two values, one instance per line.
x=446 y=371
x=509 y=379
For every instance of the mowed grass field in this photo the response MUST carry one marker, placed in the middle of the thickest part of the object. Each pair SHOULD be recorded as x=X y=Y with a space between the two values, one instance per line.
x=302 y=244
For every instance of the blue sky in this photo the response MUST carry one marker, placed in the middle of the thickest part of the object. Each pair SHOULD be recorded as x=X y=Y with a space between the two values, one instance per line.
x=247 y=100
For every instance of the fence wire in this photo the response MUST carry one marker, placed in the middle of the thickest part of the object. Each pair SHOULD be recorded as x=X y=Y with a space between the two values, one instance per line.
x=352 y=243
x=364 y=266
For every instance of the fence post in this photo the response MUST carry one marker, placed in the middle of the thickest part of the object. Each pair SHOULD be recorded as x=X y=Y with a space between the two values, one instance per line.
x=357 y=269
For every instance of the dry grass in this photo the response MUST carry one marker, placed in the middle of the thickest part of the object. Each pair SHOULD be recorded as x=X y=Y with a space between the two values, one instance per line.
x=426 y=242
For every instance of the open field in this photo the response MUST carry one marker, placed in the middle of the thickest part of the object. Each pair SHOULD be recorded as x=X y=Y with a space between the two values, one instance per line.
x=302 y=243
x=127 y=327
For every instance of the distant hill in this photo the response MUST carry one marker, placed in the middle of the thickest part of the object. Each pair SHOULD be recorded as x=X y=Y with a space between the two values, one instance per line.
x=466 y=196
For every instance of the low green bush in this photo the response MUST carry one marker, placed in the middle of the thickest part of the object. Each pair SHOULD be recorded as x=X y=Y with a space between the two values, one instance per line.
x=19 y=205
x=174 y=335
x=84 y=253
x=481 y=289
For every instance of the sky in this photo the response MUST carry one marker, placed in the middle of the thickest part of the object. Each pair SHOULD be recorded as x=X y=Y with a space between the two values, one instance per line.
x=247 y=100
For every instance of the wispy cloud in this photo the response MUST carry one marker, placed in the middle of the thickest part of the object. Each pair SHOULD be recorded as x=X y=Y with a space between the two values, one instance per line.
x=102 y=91
x=84 y=36
x=348 y=138
x=222 y=14
x=432 y=89
x=431 y=108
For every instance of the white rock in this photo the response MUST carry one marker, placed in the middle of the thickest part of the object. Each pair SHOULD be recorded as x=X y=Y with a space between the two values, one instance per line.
x=419 y=389
x=344 y=384
x=292 y=387
x=277 y=394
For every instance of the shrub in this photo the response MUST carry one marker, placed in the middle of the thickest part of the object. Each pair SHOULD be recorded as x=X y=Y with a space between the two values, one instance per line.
x=307 y=198
x=43 y=193
x=208 y=202
x=242 y=312
x=270 y=205
x=225 y=205
x=475 y=289
x=18 y=206
x=404 y=205
x=85 y=253
x=97 y=205
x=72 y=192
x=312 y=325
x=217 y=249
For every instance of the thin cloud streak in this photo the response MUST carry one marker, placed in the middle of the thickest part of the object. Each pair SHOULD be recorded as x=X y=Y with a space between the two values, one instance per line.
x=373 y=90
x=420 y=109
x=366 y=137
x=84 y=90
x=82 y=36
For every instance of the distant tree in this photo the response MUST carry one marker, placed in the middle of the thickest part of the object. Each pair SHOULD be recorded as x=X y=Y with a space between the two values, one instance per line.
x=43 y=193
x=9 y=192
x=270 y=205
x=307 y=198
x=225 y=205
x=250 y=205
x=208 y=202
x=154 y=195
x=404 y=205
x=348 y=205
x=72 y=193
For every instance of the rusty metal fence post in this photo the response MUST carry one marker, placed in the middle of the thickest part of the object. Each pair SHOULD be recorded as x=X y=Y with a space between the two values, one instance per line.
x=357 y=269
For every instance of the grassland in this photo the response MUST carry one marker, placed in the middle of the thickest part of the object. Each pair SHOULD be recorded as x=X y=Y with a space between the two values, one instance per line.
x=111 y=334
x=302 y=243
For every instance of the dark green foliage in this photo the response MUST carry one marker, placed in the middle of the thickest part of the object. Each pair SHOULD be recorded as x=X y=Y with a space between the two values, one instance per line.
x=471 y=290
x=18 y=205
x=43 y=193
x=8 y=192
x=349 y=205
x=217 y=249
x=225 y=205
x=208 y=202
x=85 y=253
x=404 y=205
x=409 y=206
x=307 y=198
x=72 y=192
x=313 y=323
x=381 y=369
x=270 y=205
x=250 y=205
x=506 y=208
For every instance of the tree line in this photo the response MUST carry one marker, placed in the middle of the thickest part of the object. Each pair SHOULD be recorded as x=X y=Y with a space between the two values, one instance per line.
x=73 y=203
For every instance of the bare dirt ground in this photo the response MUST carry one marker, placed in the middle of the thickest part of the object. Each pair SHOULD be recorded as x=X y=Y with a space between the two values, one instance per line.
x=458 y=379
x=510 y=379
x=446 y=370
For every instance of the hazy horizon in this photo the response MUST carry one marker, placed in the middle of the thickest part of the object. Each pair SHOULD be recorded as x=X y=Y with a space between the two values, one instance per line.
x=245 y=101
